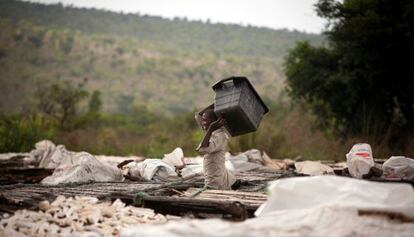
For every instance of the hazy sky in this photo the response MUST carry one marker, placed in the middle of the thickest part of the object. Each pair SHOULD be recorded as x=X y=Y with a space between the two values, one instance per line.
x=291 y=14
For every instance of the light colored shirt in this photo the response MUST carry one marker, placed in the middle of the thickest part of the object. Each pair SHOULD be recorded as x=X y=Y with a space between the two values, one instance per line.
x=216 y=175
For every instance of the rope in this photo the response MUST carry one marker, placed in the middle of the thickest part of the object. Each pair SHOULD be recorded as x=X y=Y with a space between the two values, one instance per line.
x=202 y=190
x=140 y=195
x=199 y=191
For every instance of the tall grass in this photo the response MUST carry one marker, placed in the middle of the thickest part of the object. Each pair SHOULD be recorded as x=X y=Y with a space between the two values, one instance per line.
x=20 y=133
x=286 y=132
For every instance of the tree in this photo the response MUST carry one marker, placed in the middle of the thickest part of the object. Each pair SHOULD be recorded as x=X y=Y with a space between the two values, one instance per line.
x=360 y=82
x=95 y=103
x=124 y=103
x=66 y=43
x=60 y=100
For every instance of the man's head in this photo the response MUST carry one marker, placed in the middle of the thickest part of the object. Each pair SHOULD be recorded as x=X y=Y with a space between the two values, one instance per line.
x=207 y=118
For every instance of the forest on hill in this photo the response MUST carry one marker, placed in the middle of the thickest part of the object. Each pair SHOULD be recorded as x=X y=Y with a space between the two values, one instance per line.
x=133 y=81
x=168 y=65
x=174 y=35
x=128 y=72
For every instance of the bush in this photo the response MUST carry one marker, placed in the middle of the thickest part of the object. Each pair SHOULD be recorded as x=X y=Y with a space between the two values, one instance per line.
x=19 y=134
x=67 y=44
x=60 y=101
x=36 y=39
x=3 y=53
x=356 y=85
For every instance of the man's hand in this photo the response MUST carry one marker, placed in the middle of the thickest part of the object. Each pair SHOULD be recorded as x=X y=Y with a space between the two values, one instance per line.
x=212 y=127
x=217 y=124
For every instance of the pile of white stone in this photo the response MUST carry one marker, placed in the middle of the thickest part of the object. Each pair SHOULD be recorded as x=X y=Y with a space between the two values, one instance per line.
x=79 y=216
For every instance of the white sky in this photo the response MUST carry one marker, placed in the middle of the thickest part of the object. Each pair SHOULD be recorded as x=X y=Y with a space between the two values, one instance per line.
x=276 y=14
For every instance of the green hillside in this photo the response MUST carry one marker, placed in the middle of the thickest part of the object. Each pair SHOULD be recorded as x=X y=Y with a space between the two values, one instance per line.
x=127 y=71
x=148 y=73
x=141 y=78
x=178 y=34
x=168 y=65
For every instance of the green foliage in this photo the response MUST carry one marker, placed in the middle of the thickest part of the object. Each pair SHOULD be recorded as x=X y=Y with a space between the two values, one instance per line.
x=95 y=102
x=309 y=71
x=127 y=71
x=18 y=36
x=67 y=44
x=3 y=53
x=151 y=74
x=357 y=85
x=141 y=133
x=36 y=39
x=284 y=133
x=19 y=134
x=60 y=100
x=124 y=104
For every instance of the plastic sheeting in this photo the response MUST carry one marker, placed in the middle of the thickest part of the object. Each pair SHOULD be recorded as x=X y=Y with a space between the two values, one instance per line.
x=193 y=167
x=156 y=169
x=240 y=162
x=311 y=192
x=323 y=221
x=359 y=160
x=82 y=167
x=175 y=158
x=399 y=167
x=307 y=206
x=115 y=160
x=313 y=168
x=51 y=156
x=254 y=156
x=246 y=161
x=72 y=167
x=152 y=169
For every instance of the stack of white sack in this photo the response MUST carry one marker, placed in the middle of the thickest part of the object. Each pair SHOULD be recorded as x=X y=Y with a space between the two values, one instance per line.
x=82 y=167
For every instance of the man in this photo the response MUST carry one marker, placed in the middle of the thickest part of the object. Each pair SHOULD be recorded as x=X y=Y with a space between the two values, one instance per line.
x=213 y=147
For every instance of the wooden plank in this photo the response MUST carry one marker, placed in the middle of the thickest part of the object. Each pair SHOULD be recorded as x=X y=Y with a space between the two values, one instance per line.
x=231 y=192
x=182 y=206
x=23 y=175
x=251 y=200
x=24 y=195
x=15 y=196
